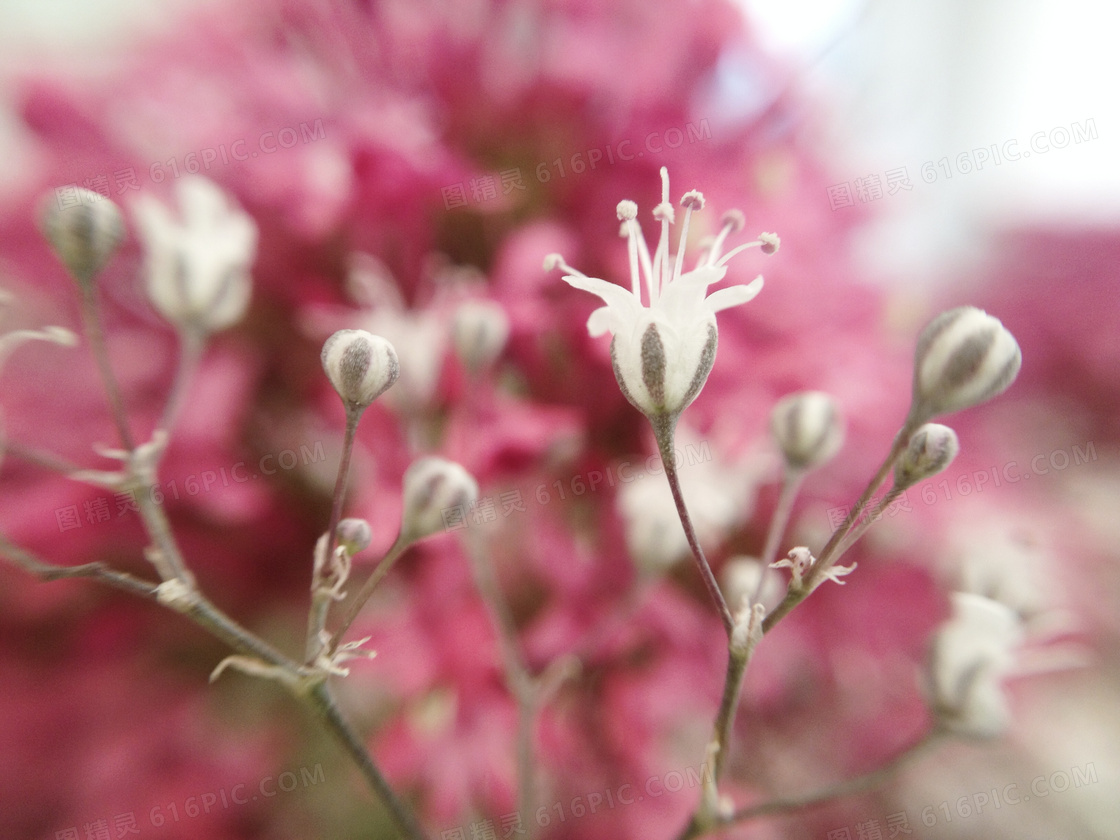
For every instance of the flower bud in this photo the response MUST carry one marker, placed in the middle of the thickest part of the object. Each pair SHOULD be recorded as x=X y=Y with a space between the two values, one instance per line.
x=354 y=535
x=360 y=366
x=808 y=429
x=479 y=332
x=964 y=357
x=435 y=492
x=931 y=449
x=198 y=266
x=83 y=236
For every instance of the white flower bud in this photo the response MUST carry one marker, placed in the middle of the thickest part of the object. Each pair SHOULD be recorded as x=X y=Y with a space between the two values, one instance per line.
x=931 y=449
x=83 y=236
x=198 y=268
x=354 y=535
x=433 y=489
x=807 y=428
x=479 y=332
x=964 y=357
x=972 y=653
x=360 y=366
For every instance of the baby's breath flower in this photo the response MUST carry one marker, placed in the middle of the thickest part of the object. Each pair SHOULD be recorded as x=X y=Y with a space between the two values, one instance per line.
x=664 y=328
x=198 y=268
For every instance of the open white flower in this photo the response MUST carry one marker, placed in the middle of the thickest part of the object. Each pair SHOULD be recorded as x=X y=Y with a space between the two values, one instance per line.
x=664 y=327
x=198 y=268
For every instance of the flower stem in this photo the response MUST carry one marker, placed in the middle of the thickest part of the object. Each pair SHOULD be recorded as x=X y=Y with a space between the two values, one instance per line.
x=192 y=343
x=92 y=319
x=521 y=683
x=324 y=705
x=792 y=804
x=391 y=557
x=791 y=483
x=857 y=784
x=663 y=429
x=353 y=415
x=828 y=554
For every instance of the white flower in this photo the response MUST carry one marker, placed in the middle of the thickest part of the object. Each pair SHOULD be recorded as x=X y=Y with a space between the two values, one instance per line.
x=664 y=327
x=972 y=654
x=198 y=268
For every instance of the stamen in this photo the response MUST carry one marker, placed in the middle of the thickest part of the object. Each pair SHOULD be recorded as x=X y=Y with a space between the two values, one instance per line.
x=732 y=221
x=627 y=210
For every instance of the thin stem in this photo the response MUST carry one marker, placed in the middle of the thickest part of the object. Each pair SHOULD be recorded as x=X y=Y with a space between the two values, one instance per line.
x=826 y=558
x=792 y=804
x=737 y=661
x=395 y=551
x=858 y=784
x=353 y=415
x=23 y=559
x=192 y=342
x=859 y=530
x=167 y=558
x=791 y=484
x=326 y=708
x=663 y=428
x=46 y=460
x=92 y=319
x=205 y=614
x=520 y=682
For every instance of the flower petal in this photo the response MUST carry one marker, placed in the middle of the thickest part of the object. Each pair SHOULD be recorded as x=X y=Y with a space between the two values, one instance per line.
x=617 y=298
x=722 y=299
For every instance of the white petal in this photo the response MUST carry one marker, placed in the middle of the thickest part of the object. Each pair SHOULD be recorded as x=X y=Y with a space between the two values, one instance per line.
x=613 y=295
x=602 y=321
x=722 y=299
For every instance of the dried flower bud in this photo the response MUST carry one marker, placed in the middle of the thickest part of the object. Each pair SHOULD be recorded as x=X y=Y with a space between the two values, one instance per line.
x=360 y=366
x=85 y=235
x=808 y=428
x=479 y=332
x=964 y=357
x=354 y=535
x=436 y=493
x=931 y=449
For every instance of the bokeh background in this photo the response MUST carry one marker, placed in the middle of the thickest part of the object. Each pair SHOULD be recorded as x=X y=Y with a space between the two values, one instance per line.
x=452 y=144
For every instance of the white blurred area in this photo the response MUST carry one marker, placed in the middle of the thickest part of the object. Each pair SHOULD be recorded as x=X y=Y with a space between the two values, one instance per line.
x=904 y=84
